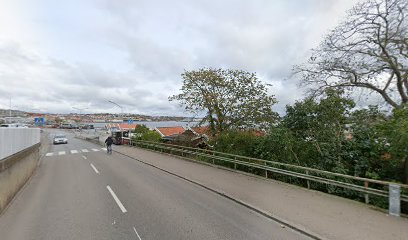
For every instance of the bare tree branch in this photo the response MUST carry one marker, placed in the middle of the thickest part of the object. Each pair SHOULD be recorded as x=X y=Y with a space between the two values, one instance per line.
x=368 y=50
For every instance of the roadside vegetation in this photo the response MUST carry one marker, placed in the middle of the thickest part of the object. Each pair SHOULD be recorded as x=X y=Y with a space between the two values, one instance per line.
x=141 y=132
x=367 y=53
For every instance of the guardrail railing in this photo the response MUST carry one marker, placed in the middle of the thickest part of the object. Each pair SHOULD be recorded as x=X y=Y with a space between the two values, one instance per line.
x=395 y=192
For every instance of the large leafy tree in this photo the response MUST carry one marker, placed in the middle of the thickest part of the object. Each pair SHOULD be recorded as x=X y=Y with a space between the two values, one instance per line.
x=232 y=99
x=368 y=50
x=319 y=127
x=395 y=131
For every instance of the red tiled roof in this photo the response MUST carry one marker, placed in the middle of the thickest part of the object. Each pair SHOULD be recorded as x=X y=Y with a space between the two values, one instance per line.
x=258 y=133
x=127 y=126
x=201 y=130
x=167 y=131
x=123 y=126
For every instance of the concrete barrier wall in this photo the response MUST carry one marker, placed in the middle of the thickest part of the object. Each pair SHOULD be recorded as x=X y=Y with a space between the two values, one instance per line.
x=14 y=140
x=19 y=156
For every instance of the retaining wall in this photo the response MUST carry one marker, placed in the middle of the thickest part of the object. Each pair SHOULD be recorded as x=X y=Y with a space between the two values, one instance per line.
x=19 y=156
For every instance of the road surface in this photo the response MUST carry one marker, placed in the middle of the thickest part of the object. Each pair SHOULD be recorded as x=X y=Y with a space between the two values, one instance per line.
x=80 y=192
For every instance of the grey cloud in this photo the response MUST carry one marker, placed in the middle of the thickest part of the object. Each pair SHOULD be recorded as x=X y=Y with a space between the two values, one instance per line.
x=156 y=41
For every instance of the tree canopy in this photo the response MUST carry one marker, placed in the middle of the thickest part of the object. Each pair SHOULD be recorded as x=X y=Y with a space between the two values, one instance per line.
x=231 y=99
x=368 y=50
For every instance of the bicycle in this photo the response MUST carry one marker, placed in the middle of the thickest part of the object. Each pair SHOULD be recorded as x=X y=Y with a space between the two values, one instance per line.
x=109 y=149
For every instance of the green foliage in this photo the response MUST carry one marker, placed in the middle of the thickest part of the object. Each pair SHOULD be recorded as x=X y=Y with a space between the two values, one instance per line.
x=318 y=130
x=232 y=99
x=326 y=134
x=141 y=132
x=151 y=136
x=141 y=129
x=278 y=145
x=394 y=133
x=236 y=142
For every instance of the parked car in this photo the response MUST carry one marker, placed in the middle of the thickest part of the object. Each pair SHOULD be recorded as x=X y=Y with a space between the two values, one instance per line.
x=18 y=125
x=60 y=139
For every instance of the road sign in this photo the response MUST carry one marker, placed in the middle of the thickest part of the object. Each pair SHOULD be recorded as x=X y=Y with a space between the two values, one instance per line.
x=130 y=121
x=39 y=121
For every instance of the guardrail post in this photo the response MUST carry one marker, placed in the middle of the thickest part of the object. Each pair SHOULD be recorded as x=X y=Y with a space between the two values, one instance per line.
x=394 y=201
x=366 y=197
x=266 y=171
x=235 y=164
x=307 y=181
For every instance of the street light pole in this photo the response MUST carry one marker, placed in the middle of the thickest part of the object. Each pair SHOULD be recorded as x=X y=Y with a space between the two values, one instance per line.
x=121 y=108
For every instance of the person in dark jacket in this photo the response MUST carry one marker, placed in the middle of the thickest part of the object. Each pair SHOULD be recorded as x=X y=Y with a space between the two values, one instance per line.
x=108 y=143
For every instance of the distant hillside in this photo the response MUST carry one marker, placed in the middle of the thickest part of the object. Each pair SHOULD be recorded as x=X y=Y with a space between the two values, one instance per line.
x=14 y=113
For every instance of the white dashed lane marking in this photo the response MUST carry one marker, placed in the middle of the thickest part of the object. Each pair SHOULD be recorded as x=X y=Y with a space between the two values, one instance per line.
x=137 y=234
x=73 y=152
x=94 y=168
x=118 y=202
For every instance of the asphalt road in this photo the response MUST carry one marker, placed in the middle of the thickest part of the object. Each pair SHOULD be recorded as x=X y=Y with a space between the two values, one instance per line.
x=78 y=194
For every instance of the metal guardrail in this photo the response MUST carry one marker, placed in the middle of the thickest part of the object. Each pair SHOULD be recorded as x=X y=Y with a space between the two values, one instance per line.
x=359 y=184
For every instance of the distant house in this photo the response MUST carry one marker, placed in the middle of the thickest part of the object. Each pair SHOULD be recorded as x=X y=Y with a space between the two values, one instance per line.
x=120 y=127
x=203 y=131
x=258 y=133
x=168 y=131
x=187 y=138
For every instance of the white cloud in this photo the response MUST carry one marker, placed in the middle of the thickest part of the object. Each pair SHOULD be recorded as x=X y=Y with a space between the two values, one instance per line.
x=55 y=55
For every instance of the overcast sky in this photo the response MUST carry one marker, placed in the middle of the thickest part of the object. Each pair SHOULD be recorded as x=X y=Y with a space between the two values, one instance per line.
x=55 y=55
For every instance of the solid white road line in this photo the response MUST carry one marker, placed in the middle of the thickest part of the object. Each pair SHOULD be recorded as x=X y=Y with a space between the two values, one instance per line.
x=116 y=199
x=49 y=154
x=104 y=149
x=94 y=168
x=95 y=150
x=85 y=150
x=61 y=153
x=84 y=157
x=74 y=151
x=134 y=229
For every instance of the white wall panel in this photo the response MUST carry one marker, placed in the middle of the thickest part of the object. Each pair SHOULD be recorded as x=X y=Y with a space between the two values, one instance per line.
x=14 y=140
